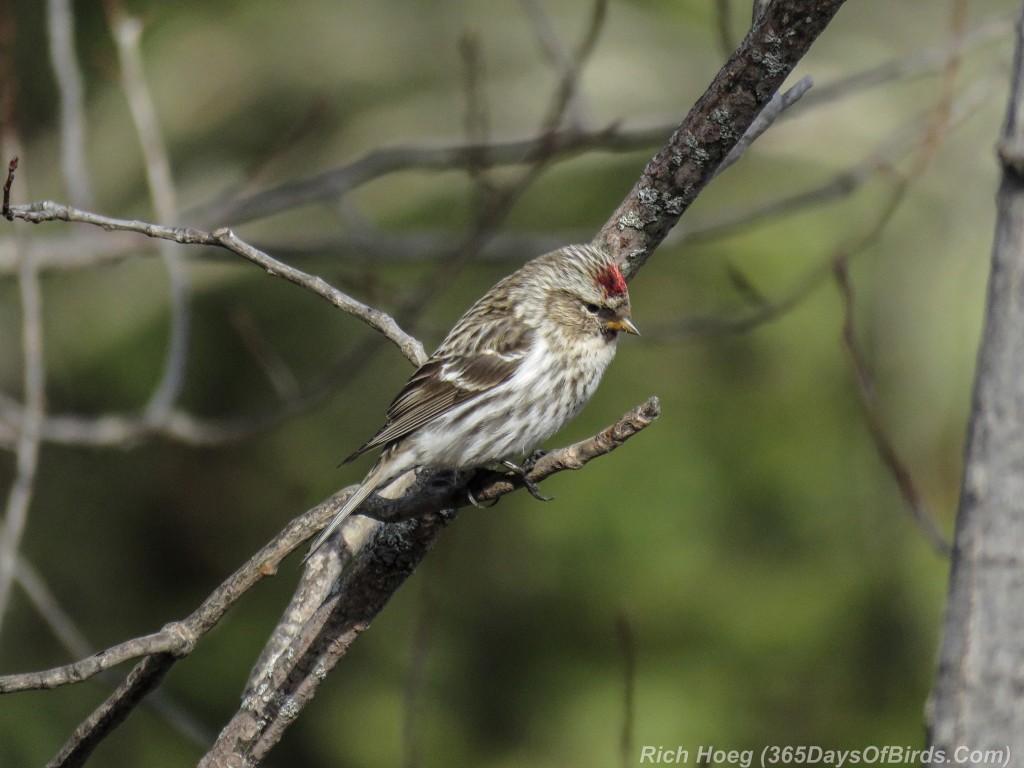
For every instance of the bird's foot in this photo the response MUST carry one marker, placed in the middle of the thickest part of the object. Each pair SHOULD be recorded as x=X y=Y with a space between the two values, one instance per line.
x=532 y=459
x=477 y=504
x=527 y=482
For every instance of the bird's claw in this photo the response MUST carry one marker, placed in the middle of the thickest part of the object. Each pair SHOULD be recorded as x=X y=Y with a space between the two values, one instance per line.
x=534 y=490
x=477 y=504
x=527 y=482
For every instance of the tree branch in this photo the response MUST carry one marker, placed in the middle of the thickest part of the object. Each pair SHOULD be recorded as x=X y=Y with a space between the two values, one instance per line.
x=282 y=685
x=976 y=697
x=748 y=81
x=783 y=33
x=326 y=630
x=370 y=576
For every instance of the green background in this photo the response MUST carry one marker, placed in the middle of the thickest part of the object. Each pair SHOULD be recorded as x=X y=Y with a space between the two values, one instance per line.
x=752 y=541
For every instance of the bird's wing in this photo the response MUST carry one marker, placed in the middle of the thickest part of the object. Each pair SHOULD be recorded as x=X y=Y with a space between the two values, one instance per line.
x=444 y=382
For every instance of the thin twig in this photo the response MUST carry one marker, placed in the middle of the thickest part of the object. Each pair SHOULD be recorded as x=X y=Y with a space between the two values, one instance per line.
x=128 y=34
x=501 y=200
x=569 y=80
x=49 y=211
x=29 y=439
x=61 y=30
x=335 y=183
x=765 y=119
x=919 y=510
x=918 y=63
x=173 y=639
x=280 y=376
x=11 y=168
x=902 y=142
x=942 y=117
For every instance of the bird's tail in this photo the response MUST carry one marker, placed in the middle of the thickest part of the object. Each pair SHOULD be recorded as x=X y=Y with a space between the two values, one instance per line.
x=370 y=483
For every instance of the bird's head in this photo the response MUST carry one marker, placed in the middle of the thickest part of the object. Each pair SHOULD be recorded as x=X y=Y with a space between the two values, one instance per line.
x=586 y=294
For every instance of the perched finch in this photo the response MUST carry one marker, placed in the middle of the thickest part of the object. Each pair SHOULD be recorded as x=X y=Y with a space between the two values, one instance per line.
x=516 y=367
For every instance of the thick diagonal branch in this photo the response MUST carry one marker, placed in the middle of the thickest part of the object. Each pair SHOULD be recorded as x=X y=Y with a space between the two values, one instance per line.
x=715 y=124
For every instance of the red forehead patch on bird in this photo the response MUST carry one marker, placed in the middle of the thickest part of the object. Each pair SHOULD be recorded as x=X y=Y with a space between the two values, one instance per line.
x=612 y=281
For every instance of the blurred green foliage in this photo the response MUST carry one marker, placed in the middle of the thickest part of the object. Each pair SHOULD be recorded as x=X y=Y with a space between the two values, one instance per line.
x=754 y=542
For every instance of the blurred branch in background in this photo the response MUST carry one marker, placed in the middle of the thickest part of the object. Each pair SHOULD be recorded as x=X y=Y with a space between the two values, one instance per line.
x=72 y=124
x=27 y=438
x=127 y=33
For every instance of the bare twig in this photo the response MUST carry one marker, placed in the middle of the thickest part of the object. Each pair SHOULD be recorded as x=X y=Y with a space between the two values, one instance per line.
x=11 y=168
x=127 y=429
x=34 y=383
x=937 y=127
x=765 y=119
x=337 y=182
x=568 y=83
x=375 y=318
x=174 y=639
x=903 y=141
x=924 y=61
x=48 y=211
x=501 y=200
x=276 y=370
x=50 y=610
x=61 y=29
x=919 y=510
x=27 y=443
x=128 y=34
x=334 y=183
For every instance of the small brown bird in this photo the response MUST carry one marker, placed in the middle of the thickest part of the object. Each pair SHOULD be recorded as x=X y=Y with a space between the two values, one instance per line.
x=517 y=367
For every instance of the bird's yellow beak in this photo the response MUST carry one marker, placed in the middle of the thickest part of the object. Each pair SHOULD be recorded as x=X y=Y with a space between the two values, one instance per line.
x=622 y=324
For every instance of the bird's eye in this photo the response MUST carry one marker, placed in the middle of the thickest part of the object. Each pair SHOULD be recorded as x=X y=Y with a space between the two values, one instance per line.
x=593 y=308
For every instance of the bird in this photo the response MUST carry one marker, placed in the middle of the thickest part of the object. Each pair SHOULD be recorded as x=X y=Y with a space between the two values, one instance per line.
x=514 y=369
